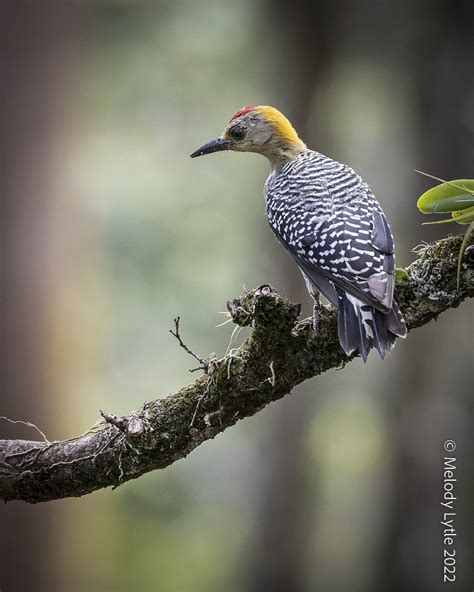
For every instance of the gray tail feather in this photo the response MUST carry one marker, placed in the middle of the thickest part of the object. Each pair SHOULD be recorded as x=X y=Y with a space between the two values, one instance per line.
x=395 y=323
x=362 y=327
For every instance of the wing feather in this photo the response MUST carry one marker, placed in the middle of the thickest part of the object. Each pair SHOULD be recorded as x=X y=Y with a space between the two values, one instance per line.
x=352 y=248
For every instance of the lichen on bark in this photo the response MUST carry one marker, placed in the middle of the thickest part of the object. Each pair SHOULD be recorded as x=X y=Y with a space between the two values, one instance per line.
x=280 y=352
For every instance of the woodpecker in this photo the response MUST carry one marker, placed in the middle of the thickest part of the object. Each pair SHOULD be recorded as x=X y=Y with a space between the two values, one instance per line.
x=330 y=222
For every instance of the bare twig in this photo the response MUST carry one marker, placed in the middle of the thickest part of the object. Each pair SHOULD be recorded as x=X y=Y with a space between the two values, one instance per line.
x=204 y=363
x=27 y=423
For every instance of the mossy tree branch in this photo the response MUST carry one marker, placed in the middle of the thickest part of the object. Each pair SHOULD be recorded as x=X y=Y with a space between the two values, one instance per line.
x=280 y=353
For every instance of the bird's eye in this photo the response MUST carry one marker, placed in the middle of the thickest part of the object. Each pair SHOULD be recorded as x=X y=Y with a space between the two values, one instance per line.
x=237 y=133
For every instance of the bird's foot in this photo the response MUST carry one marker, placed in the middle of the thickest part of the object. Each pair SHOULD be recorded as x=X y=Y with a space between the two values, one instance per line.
x=316 y=309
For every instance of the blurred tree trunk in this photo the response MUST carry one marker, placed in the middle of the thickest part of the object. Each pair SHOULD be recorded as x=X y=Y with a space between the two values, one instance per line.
x=36 y=41
x=428 y=47
x=301 y=44
x=431 y=397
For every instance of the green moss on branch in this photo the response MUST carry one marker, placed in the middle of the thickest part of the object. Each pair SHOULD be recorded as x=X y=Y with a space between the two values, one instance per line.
x=280 y=353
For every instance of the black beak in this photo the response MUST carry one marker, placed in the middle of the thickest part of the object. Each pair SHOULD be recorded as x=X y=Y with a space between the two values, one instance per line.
x=213 y=146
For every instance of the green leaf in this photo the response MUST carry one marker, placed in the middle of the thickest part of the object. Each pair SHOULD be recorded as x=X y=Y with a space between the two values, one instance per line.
x=461 y=252
x=448 y=197
x=449 y=204
x=464 y=216
x=445 y=221
x=401 y=276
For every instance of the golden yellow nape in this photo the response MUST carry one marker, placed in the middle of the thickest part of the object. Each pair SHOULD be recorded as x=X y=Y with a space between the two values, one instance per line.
x=280 y=124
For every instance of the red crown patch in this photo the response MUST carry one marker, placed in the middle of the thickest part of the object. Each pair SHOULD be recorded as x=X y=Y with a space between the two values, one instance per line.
x=243 y=112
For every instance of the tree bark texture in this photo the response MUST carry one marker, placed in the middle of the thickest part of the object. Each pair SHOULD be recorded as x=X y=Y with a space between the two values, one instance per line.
x=280 y=353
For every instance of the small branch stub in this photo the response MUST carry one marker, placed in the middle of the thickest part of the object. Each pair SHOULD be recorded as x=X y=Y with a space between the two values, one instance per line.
x=132 y=426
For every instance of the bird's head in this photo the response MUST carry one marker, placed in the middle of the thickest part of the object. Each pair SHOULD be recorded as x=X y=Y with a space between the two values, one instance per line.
x=258 y=129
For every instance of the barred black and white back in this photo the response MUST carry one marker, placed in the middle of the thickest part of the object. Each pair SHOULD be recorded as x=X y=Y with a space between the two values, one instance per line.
x=332 y=225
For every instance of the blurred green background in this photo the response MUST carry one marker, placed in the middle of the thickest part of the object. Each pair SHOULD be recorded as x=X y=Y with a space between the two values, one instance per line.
x=110 y=231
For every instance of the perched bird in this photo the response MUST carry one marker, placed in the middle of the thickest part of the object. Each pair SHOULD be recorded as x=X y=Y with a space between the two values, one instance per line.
x=330 y=222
